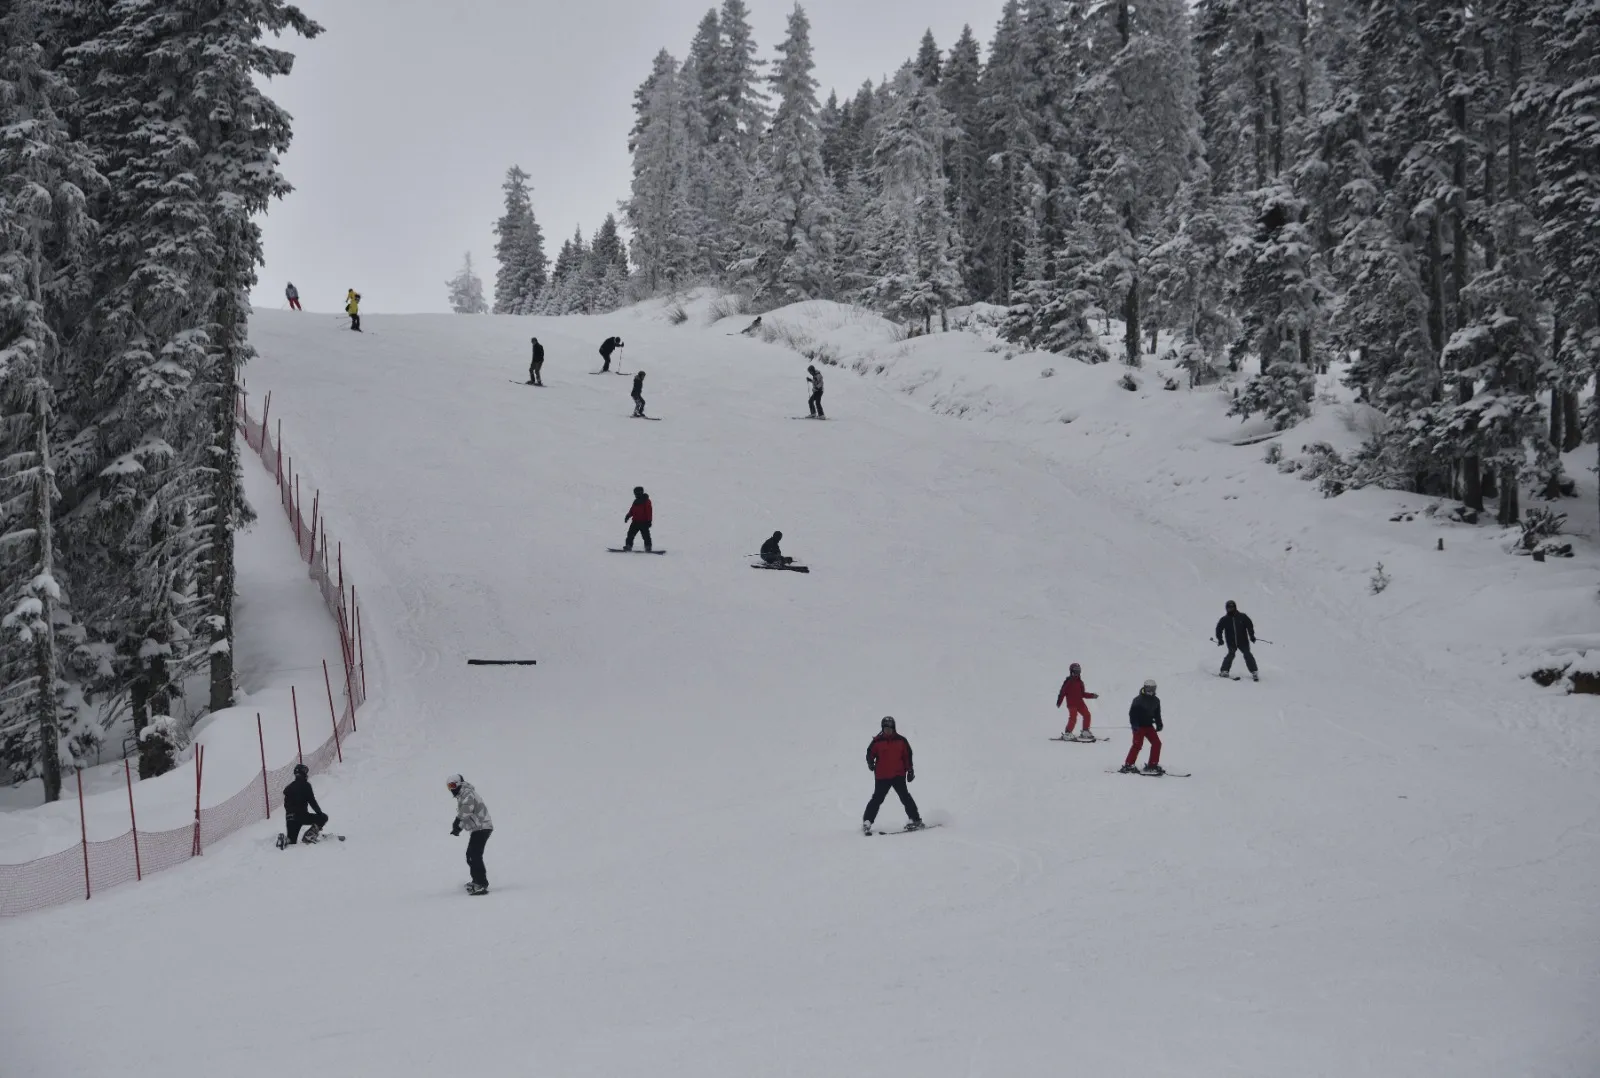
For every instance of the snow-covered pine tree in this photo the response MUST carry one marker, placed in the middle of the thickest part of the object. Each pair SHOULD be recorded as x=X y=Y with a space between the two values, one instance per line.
x=1191 y=280
x=606 y=269
x=1142 y=141
x=466 y=289
x=917 y=251
x=1567 y=201
x=928 y=65
x=788 y=236
x=1006 y=145
x=519 y=249
x=567 y=290
x=45 y=235
x=1279 y=297
x=963 y=158
x=661 y=212
x=169 y=101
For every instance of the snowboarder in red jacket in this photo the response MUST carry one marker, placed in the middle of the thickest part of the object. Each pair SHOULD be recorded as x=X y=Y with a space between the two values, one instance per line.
x=1072 y=692
x=641 y=513
x=889 y=759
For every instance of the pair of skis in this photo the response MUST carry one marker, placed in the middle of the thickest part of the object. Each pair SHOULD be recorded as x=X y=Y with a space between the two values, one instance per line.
x=1148 y=774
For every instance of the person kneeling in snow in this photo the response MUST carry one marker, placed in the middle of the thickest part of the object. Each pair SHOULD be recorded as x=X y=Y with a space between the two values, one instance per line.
x=770 y=552
x=472 y=816
x=300 y=809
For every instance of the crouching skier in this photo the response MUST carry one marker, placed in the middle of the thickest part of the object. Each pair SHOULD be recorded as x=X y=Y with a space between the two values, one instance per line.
x=472 y=816
x=300 y=809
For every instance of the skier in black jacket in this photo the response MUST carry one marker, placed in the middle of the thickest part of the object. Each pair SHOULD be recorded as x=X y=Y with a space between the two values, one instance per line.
x=814 y=377
x=771 y=554
x=1144 y=715
x=300 y=809
x=1238 y=632
x=536 y=368
x=638 y=395
x=609 y=345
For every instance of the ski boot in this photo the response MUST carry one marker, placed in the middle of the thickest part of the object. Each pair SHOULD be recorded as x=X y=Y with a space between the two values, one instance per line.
x=283 y=840
x=1255 y=677
x=477 y=888
x=1127 y=769
x=312 y=835
x=1154 y=769
x=1086 y=736
x=866 y=827
x=915 y=825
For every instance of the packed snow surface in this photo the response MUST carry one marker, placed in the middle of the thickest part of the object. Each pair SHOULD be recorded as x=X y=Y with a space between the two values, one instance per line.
x=1385 y=862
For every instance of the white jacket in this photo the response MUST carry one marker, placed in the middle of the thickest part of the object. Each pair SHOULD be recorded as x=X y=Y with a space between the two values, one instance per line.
x=470 y=809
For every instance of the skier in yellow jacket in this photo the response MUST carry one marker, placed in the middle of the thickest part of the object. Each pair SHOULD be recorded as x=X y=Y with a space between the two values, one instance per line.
x=352 y=307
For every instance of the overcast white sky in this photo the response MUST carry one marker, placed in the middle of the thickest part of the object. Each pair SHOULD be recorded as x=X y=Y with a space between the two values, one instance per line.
x=407 y=114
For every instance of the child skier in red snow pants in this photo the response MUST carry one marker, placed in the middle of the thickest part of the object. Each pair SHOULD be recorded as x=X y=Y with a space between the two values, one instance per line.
x=1074 y=696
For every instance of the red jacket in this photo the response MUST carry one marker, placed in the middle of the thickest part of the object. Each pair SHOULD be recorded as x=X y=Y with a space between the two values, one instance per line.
x=1072 y=692
x=889 y=756
x=640 y=512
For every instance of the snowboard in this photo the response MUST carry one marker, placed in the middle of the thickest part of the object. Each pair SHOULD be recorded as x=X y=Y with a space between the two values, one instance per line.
x=619 y=550
x=1085 y=740
x=908 y=830
x=283 y=840
x=1163 y=775
x=651 y=418
x=781 y=568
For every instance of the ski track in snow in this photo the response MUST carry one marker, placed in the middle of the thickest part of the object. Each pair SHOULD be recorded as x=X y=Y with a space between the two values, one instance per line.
x=1379 y=868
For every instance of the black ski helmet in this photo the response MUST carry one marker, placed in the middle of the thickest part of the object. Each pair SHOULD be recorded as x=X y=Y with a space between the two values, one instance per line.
x=638 y=492
x=777 y=535
x=1075 y=669
x=888 y=722
x=301 y=771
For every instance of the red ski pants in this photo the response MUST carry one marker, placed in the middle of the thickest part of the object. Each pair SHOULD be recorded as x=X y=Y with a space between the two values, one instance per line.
x=1142 y=734
x=1074 y=712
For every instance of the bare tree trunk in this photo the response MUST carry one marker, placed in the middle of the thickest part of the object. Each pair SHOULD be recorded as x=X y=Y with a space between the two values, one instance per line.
x=1573 y=423
x=1468 y=468
x=1130 y=317
x=44 y=639
x=1155 y=339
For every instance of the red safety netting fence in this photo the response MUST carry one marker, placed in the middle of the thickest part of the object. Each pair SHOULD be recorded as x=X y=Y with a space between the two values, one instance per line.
x=90 y=867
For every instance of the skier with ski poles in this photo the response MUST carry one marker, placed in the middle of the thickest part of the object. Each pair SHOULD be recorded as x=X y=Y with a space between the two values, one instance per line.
x=814 y=377
x=609 y=345
x=472 y=816
x=1239 y=632
x=300 y=809
x=642 y=514
x=1073 y=693
x=536 y=368
x=1144 y=715
x=889 y=760
x=352 y=307
x=638 y=395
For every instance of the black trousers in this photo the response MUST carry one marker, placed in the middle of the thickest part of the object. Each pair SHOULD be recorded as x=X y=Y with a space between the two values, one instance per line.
x=605 y=361
x=637 y=529
x=1249 y=659
x=638 y=404
x=476 y=841
x=880 y=790
x=533 y=372
x=355 y=322
x=293 y=824
x=816 y=402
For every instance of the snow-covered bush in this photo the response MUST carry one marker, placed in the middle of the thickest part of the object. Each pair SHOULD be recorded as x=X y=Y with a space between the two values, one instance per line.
x=1274 y=453
x=1379 y=580
x=158 y=746
x=1324 y=464
x=1128 y=382
x=1539 y=524
x=676 y=315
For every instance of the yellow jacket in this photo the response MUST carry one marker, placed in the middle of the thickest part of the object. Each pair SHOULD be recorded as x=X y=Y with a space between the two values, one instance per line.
x=352 y=302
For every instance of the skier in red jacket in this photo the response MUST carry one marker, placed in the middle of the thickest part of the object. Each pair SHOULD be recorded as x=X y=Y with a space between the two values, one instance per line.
x=641 y=513
x=889 y=759
x=1072 y=692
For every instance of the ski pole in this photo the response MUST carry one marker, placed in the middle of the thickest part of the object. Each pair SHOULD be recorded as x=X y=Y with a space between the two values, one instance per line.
x=1261 y=640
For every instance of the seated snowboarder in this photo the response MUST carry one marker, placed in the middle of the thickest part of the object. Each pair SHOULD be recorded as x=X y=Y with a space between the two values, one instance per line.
x=300 y=809
x=770 y=552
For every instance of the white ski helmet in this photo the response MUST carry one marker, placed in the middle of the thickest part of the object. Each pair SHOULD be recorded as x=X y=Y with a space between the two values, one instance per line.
x=454 y=782
x=1149 y=685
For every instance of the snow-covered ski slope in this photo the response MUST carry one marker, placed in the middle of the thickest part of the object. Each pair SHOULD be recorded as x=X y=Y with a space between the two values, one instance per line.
x=1387 y=861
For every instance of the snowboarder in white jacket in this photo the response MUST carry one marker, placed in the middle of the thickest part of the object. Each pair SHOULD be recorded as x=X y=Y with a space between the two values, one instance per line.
x=472 y=816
